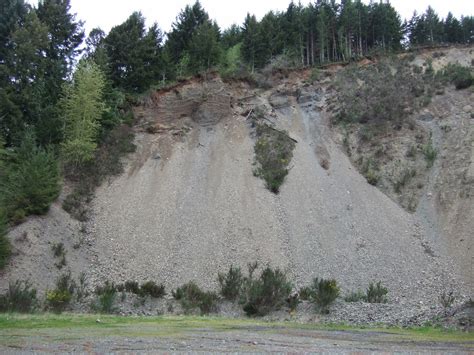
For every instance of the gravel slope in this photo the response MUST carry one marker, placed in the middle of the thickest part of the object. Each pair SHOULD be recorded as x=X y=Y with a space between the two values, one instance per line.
x=198 y=210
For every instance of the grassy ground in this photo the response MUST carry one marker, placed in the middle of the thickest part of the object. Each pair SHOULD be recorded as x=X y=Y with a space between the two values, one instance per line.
x=168 y=325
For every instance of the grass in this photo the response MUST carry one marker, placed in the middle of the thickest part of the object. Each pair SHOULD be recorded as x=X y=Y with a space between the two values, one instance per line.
x=83 y=326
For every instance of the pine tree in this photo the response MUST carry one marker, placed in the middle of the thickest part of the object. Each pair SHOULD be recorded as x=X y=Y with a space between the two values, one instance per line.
x=204 y=49
x=452 y=29
x=183 y=30
x=250 y=44
x=133 y=54
x=30 y=180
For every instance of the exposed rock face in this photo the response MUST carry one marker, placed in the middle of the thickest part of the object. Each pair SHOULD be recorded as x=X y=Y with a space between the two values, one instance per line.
x=204 y=102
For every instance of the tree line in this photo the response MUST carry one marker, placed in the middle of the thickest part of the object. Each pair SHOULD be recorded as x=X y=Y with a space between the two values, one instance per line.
x=62 y=93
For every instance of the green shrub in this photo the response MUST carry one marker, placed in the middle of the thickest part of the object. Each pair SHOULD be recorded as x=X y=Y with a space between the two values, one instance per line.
x=447 y=299
x=458 y=75
x=430 y=153
x=191 y=297
x=267 y=293
x=132 y=286
x=305 y=293
x=376 y=293
x=405 y=177
x=59 y=252
x=150 y=288
x=273 y=153
x=366 y=133
x=315 y=75
x=372 y=177
x=293 y=302
x=20 y=297
x=106 y=298
x=355 y=296
x=30 y=182
x=59 y=298
x=58 y=249
x=324 y=293
x=5 y=247
x=231 y=283
x=368 y=169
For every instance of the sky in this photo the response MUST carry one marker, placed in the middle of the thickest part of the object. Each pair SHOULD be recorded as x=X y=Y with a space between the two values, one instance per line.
x=108 y=13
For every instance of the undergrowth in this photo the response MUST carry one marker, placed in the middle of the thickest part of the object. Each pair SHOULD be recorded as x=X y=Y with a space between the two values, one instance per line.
x=273 y=153
x=192 y=297
x=108 y=162
x=20 y=297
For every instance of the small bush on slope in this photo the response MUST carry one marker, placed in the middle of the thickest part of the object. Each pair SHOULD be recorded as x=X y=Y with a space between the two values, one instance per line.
x=106 y=298
x=461 y=77
x=152 y=289
x=59 y=298
x=231 y=283
x=376 y=293
x=191 y=296
x=324 y=293
x=273 y=153
x=20 y=297
x=267 y=293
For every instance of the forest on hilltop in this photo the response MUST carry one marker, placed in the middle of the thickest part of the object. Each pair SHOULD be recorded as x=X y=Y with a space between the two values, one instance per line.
x=65 y=98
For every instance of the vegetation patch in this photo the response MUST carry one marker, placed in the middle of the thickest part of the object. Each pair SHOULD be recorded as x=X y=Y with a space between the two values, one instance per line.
x=404 y=179
x=5 y=247
x=366 y=94
x=323 y=293
x=59 y=252
x=20 y=297
x=191 y=297
x=106 y=295
x=267 y=293
x=376 y=293
x=430 y=153
x=29 y=180
x=148 y=288
x=59 y=298
x=231 y=283
x=107 y=162
x=273 y=153
x=355 y=296
x=461 y=77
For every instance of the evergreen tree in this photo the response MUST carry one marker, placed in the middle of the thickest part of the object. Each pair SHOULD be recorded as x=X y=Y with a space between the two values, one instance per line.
x=231 y=37
x=204 y=49
x=82 y=108
x=467 y=24
x=30 y=181
x=434 y=26
x=452 y=29
x=65 y=34
x=183 y=30
x=251 y=42
x=133 y=54
x=24 y=98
